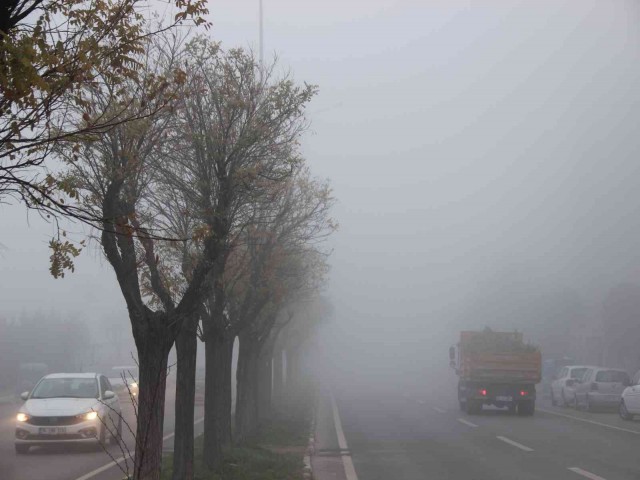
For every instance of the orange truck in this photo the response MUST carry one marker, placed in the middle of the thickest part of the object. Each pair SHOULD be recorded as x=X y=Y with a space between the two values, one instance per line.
x=496 y=368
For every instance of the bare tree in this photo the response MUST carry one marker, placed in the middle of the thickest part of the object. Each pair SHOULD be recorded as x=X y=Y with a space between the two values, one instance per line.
x=116 y=175
x=236 y=137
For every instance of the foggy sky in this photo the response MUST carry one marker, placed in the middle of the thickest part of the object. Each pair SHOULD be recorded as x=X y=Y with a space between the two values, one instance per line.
x=470 y=147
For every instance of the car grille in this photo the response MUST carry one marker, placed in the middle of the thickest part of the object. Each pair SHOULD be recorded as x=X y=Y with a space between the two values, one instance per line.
x=66 y=436
x=55 y=421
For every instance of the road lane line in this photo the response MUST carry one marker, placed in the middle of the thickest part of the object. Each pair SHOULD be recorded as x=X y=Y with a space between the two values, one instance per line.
x=515 y=444
x=584 y=473
x=635 y=432
x=109 y=465
x=468 y=423
x=439 y=410
x=347 y=461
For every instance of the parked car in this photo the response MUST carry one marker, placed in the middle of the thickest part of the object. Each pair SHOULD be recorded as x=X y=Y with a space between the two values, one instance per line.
x=600 y=387
x=68 y=408
x=563 y=385
x=630 y=401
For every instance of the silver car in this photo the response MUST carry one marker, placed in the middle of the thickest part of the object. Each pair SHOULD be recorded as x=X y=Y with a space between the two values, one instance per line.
x=630 y=402
x=68 y=408
x=563 y=385
x=600 y=387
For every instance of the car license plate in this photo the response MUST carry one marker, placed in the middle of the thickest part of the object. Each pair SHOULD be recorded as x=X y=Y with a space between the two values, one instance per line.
x=52 y=430
x=502 y=398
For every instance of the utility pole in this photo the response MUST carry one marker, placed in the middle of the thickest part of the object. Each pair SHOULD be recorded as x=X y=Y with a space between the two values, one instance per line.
x=261 y=35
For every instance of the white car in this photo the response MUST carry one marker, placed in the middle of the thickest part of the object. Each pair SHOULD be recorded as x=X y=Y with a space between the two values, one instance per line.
x=630 y=401
x=563 y=385
x=68 y=408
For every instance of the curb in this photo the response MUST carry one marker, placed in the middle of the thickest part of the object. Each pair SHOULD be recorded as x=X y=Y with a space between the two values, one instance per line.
x=307 y=471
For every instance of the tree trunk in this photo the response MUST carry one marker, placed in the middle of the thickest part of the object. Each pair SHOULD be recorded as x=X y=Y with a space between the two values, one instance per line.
x=294 y=381
x=217 y=407
x=247 y=385
x=186 y=349
x=227 y=392
x=278 y=380
x=265 y=389
x=153 y=353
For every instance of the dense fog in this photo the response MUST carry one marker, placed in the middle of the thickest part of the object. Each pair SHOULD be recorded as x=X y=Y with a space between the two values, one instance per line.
x=484 y=159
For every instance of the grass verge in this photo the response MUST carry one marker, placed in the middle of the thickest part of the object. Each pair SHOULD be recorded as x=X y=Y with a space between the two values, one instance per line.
x=275 y=453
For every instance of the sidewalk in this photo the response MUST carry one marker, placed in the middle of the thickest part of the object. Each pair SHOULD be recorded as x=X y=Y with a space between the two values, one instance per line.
x=326 y=461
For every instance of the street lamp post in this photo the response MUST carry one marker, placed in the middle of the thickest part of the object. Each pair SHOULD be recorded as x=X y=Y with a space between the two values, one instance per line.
x=261 y=35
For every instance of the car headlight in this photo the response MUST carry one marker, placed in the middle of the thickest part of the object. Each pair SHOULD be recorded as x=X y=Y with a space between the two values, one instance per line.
x=22 y=417
x=134 y=385
x=91 y=416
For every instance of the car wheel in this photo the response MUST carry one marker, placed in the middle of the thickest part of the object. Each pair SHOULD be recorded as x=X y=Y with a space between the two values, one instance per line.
x=115 y=439
x=102 y=437
x=22 y=449
x=588 y=405
x=553 y=399
x=576 y=404
x=564 y=400
x=624 y=413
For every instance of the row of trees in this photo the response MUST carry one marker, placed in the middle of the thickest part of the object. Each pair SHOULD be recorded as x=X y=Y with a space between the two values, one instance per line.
x=186 y=159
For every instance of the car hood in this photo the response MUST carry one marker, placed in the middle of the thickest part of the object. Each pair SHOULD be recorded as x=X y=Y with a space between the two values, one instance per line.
x=42 y=407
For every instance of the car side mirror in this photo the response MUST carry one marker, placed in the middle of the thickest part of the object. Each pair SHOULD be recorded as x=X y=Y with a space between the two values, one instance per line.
x=24 y=395
x=108 y=395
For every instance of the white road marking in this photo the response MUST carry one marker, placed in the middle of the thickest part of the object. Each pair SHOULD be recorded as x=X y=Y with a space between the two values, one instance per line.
x=584 y=473
x=468 y=423
x=107 y=466
x=349 y=469
x=439 y=410
x=515 y=444
x=635 y=432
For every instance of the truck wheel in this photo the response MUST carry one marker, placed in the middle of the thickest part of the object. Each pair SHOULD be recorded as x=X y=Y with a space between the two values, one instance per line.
x=526 y=408
x=473 y=407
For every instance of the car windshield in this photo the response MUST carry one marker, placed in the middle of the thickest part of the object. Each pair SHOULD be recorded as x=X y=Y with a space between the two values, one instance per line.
x=612 y=376
x=66 y=388
x=577 y=372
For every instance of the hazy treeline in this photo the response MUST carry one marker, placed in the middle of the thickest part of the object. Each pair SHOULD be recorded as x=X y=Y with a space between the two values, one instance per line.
x=62 y=344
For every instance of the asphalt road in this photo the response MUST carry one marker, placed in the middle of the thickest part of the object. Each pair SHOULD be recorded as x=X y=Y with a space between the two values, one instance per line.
x=400 y=435
x=83 y=462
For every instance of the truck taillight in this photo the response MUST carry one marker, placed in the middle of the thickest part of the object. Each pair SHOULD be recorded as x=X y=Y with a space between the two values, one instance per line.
x=594 y=386
x=523 y=393
x=483 y=392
